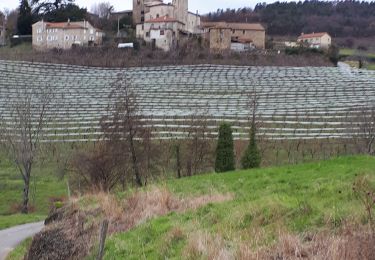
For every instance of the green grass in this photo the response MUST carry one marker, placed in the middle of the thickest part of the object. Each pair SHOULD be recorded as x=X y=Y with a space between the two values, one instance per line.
x=347 y=52
x=302 y=198
x=371 y=67
x=44 y=186
x=19 y=252
x=354 y=52
x=18 y=49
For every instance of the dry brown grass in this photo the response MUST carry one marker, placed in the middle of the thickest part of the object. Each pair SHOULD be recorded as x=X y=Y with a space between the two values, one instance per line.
x=204 y=245
x=73 y=230
x=352 y=242
x=142 y=206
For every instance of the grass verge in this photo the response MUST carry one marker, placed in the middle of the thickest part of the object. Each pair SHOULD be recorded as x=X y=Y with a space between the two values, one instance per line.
x=19 y=252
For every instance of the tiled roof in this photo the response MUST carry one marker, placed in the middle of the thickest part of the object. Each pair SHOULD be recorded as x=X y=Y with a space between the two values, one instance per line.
x=162 y=19
x=312 y=35
x=234 y=26
x=66 y=25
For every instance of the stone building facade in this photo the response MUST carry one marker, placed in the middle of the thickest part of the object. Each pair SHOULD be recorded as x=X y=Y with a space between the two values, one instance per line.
x=164 y=25
x=64 y=35
x=222 y=35
x=316 y=40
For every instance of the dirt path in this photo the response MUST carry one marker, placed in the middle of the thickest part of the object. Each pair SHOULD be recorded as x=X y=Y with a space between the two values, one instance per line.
x=11 y=237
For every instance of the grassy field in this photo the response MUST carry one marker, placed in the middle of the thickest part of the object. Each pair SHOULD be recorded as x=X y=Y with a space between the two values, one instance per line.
x=44 y=186
x=353 y=52
x=265 y=204
x=296 y=199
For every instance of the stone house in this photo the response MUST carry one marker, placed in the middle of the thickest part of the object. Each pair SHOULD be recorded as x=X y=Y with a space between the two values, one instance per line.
x=236 y=36
x=162 y=32
x=46 y=35
x=164 y=25
x=316 y=40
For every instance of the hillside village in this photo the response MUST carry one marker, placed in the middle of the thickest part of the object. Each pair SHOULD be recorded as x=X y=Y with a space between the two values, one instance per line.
x=160 y=132
x=164 y=26
x=172 y=27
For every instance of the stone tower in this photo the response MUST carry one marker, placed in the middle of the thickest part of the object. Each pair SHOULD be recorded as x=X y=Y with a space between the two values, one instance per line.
x=139 y=10
x=181 y=10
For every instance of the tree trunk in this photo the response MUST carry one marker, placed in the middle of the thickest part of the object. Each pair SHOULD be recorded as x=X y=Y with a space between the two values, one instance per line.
x=178 y=159
x=25 y=205
x=134 y=160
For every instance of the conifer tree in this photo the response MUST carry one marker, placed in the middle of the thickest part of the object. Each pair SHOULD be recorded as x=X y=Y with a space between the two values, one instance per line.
x=224 y=151
x=251 y=158
x=25 y=18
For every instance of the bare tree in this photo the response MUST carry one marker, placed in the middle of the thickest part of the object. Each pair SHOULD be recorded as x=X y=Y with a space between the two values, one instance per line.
x=197 y=145
x=124 y=127
x=22 y=127
x=366 y=125
x=103 y=9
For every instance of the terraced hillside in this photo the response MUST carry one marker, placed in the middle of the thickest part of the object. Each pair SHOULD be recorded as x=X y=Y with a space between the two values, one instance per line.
x=294 y=103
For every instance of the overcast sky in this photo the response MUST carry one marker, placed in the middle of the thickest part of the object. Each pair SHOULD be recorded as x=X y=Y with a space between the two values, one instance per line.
x=203 y=6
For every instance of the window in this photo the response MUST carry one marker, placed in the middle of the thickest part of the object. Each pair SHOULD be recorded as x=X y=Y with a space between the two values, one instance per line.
x=91 y=31
x=161 y=32
x=157 y=15
x=66 y=37
x=143 y=27
x=147 y=34
x=243 y=32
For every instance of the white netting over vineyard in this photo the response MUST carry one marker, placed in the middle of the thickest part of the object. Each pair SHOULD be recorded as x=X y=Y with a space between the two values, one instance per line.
x=293 y=103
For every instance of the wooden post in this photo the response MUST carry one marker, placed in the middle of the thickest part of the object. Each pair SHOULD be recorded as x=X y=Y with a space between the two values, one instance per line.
x=102 y=237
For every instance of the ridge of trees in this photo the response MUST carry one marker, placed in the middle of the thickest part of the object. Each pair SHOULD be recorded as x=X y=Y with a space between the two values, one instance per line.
x=339 y=18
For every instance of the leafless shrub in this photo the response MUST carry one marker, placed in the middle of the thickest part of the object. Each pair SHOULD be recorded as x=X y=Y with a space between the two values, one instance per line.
x=98 y=168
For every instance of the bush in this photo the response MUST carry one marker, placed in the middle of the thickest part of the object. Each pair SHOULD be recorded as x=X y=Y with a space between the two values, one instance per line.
x=333 y=54
x=224 y=151
x=251 y=158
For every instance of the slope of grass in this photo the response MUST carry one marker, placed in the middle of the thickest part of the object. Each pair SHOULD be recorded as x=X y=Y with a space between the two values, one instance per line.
x=44 y=186
x=299 y=199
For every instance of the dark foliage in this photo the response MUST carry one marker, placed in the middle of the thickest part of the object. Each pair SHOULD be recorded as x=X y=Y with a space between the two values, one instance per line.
x=70 y=11
x=251 y=158
x=57 y=10
x=225 y=151
x=25 y=19
x=339 y=18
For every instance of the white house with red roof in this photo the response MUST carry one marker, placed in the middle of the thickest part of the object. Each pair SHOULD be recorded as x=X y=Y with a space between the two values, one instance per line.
x=64 y=35
x=316 y=40
x=164 y=25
